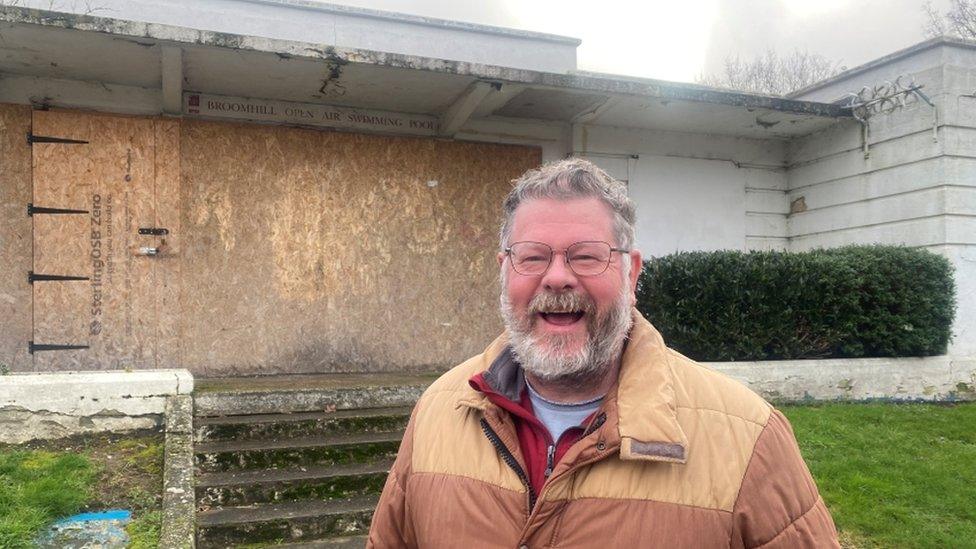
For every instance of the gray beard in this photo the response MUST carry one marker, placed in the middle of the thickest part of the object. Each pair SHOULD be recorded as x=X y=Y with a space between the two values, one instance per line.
x=549 y=360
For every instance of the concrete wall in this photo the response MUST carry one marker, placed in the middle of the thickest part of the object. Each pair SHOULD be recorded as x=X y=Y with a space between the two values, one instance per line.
x=695 y=191
x=937 y=378
x=56 y=405
x=343 y=27
x=915 y=187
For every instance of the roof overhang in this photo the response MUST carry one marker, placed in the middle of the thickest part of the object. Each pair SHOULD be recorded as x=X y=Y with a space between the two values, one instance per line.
x=167 y=60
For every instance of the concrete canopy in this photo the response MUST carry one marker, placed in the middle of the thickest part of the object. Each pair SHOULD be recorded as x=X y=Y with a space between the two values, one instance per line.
x=57 y=59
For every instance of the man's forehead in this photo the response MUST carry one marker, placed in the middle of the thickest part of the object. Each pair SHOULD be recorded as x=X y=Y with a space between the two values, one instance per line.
x=578 y=214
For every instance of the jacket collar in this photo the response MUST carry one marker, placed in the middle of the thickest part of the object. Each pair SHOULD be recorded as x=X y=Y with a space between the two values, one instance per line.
x=641 y=405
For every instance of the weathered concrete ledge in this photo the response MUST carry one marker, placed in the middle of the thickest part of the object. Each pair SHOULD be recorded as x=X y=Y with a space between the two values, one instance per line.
x=276 y=402
x=53 y=405
x=938 y=378
x=179 y=506
x=307 y=393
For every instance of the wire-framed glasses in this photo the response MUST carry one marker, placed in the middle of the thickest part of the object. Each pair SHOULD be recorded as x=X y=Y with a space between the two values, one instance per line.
x=589 y=258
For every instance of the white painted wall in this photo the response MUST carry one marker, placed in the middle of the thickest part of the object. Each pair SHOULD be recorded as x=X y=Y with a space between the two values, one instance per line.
x=916 y=187
x=695 y=191
x=344 y=27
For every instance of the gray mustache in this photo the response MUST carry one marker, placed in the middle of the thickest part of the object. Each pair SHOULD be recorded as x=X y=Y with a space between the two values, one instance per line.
x=548 y=302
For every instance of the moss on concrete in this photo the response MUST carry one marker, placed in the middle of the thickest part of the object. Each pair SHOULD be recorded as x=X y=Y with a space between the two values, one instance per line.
x=289 y=457
x=333 y=488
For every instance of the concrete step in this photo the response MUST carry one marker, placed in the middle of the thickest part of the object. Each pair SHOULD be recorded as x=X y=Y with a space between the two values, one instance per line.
x=351 y=542
x=280 y=485
x=300 y=424
x=285 y=522
x=232 y=455
x=306 y=393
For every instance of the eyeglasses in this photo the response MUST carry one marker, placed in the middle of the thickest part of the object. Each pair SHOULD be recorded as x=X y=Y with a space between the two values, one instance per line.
x=589 y=258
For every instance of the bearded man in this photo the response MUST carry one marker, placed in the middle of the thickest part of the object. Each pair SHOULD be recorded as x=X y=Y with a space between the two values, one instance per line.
x=578 y=427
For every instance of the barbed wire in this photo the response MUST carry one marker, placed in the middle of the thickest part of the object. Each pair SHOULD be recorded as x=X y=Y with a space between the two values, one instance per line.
x=885 y=98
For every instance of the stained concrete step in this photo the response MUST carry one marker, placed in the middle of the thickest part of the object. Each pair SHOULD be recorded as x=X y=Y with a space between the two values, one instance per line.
x=351 y=542
x=306 y=393
x=280 y=485
x=300 y=424
x=285 y=522
x=235 y=455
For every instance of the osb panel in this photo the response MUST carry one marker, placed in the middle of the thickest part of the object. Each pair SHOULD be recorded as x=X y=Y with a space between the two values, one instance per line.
x=15 y=237
x=113 y=177
x=168 y=262
x=308 y=251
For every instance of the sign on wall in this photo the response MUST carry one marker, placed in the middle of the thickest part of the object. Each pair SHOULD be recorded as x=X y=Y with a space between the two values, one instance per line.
x=308 y=114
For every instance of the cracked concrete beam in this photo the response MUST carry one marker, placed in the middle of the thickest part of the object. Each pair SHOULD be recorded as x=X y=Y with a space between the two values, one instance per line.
x=498 y=99
x=593 y=115
x=172 y=78
x=458 y=113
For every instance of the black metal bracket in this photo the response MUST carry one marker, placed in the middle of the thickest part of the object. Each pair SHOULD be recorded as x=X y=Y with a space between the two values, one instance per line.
x=155 y=231
x=33 y=277
x=37 y=347
x=31 y=139
x=32 y=209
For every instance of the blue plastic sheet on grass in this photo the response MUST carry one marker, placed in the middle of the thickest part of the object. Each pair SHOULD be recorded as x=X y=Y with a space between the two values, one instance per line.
x=102 y=530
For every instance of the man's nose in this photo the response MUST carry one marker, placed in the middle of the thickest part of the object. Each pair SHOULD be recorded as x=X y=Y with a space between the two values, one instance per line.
x=559 y=276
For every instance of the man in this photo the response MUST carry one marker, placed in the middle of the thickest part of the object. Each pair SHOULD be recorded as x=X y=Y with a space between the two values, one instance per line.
x=578 y=427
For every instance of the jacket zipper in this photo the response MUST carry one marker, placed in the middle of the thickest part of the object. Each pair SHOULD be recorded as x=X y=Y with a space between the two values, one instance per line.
x=600 y=419
x=550 y=458
x=509 y=460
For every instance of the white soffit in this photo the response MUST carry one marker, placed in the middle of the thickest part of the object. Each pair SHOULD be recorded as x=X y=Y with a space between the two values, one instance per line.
x=119 y=52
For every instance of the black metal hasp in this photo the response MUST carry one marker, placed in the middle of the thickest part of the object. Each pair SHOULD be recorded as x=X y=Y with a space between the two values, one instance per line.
x=32 y=209
x=155 y=231
x=37 y=347
x=31 y=139
x=33 y=277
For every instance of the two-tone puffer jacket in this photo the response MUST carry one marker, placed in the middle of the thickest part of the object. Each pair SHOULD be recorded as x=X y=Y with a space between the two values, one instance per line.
x=682 y=457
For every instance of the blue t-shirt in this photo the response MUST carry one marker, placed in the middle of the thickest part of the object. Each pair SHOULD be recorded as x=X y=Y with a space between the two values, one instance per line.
x=560 y=417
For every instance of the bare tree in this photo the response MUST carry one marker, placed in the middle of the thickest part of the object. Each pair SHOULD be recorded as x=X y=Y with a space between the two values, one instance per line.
x=771 y=74
x=959 y=20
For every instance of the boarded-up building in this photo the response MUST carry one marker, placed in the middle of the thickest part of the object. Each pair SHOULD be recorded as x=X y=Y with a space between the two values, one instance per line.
x=234 y=191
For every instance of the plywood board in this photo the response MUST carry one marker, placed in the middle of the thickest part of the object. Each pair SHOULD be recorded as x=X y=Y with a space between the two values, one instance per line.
x=288 y=250
x=113 y=178
x=309 y=251
x=169 y=260
x=15 y=238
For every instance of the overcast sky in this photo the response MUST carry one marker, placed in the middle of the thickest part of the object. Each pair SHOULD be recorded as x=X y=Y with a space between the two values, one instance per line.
x=678 y=39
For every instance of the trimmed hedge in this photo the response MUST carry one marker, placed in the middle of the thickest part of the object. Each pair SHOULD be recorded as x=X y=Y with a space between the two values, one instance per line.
x=856 y=301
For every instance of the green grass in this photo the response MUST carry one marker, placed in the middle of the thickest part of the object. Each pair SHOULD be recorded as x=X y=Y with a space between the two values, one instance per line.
x=40 y=483
x=894 y=475
x=37 y=487
x=144 y=530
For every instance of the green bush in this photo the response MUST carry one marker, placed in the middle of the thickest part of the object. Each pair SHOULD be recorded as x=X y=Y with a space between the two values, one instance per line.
x=856 y=301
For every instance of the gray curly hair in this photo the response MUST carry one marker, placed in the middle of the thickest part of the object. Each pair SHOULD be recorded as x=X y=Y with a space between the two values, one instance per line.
x=568 y=179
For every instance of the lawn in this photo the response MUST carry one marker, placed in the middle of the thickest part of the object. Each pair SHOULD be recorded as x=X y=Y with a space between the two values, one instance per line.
x=894 y=475
x=41 y=482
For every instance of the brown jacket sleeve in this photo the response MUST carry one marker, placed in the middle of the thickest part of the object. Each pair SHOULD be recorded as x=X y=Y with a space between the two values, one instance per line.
x=778 y=505
x=391 y=526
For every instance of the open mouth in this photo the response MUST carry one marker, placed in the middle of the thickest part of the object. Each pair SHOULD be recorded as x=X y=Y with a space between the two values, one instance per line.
x=562 y=319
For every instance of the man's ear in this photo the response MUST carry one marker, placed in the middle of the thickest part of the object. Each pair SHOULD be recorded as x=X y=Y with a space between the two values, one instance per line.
x=501 y=258
x=636 y=264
